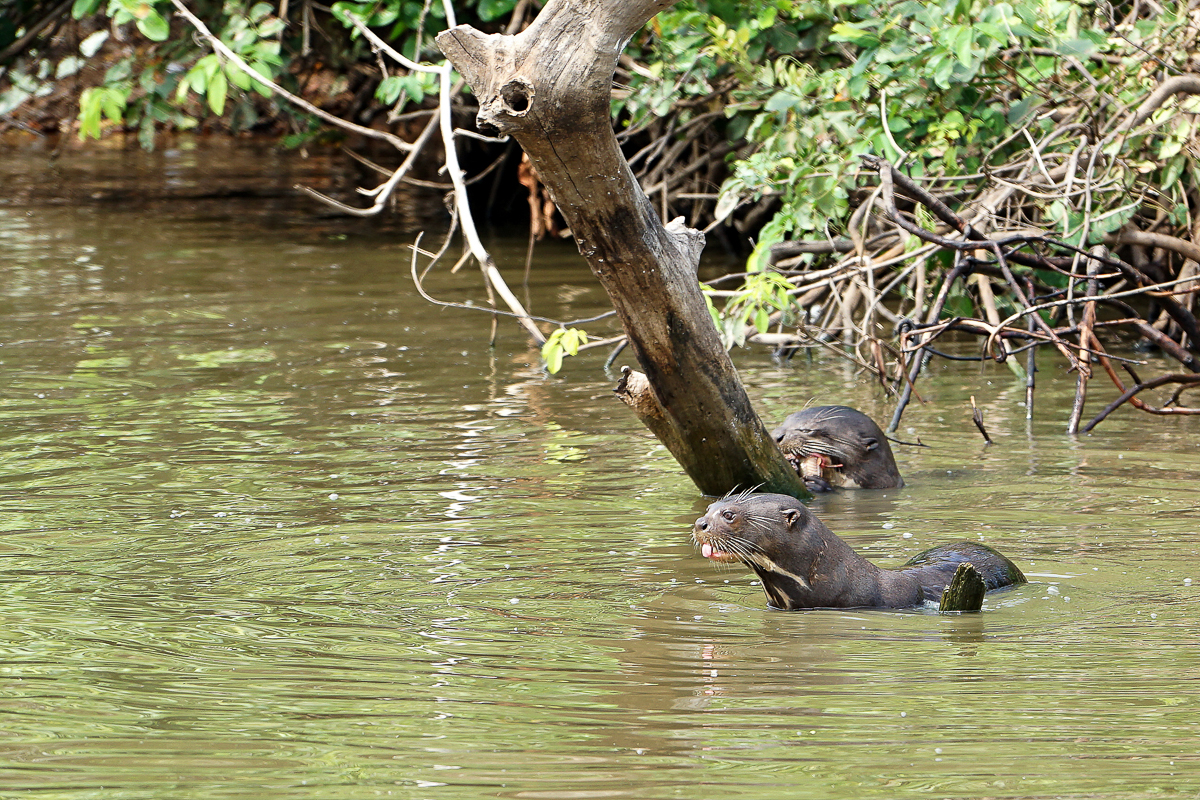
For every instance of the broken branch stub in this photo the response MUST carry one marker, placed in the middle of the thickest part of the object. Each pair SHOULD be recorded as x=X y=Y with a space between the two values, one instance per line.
x=549 y=87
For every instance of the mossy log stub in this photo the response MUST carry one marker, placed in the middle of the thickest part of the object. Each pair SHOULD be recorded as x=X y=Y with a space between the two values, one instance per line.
x=964 y=592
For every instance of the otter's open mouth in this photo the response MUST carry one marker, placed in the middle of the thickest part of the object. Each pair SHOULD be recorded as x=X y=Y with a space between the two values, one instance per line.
x=816 y=465
x=713 y=554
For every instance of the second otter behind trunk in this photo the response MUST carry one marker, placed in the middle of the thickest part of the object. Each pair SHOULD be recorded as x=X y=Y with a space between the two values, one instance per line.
x=838 y=446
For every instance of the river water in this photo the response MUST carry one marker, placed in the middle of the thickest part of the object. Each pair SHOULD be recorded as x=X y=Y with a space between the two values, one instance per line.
x=273 y=527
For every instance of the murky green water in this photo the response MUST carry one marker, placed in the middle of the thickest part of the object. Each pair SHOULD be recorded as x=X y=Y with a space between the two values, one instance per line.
x=273 y=527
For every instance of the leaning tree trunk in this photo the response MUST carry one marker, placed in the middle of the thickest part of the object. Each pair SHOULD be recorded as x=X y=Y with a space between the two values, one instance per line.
x=549 y=87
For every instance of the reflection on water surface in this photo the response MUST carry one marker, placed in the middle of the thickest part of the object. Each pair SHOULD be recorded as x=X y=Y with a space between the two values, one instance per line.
x=273 y=527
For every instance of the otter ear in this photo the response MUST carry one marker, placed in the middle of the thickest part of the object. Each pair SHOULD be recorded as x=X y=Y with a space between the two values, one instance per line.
x=791 y=515
x=872 y=443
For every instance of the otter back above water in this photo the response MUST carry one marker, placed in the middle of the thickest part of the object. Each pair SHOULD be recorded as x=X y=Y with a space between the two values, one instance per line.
x=802 y=564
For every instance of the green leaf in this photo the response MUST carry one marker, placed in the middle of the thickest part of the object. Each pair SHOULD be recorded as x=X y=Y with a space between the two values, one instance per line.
x=217 y=88
x=552 y=353
x=849 y=32
x=1050 y=278
x=959 y=305
x=84 y=8
x=89 y=113
x=119 y=71
x=563 y=342
x=264 y=70
x=1018 y=110
x=112 y=101
x=154 y=27
x=573 y=339
x=712 y=309
x=943 y=71
x=238 y=77
x=345 y=12
x=415 y=89
x=197 y=79
x=963 y=44
x=1080 y=48
x=148 y=81
x=385 y=15
x=781 y=101
x=210 y=65
x=260 y=10
x=1109 y=222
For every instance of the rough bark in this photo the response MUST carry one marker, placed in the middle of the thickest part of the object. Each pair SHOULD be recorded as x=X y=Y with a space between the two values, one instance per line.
x=549 y=87
x=965 y=591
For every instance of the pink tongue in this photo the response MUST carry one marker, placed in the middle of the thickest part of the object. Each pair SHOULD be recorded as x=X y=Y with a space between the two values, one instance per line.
x=706 y=550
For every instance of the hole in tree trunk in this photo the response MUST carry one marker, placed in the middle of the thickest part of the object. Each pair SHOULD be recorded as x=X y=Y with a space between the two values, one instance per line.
x=517 y=95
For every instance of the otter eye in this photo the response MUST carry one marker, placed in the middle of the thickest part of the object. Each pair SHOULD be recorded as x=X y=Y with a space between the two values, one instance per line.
x=728 y=515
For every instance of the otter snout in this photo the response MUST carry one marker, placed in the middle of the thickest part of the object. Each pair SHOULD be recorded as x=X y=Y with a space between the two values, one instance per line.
x=705 y=534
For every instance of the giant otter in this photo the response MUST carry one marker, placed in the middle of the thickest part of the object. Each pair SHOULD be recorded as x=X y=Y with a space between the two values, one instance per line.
x=838 y=446
x=802 y=564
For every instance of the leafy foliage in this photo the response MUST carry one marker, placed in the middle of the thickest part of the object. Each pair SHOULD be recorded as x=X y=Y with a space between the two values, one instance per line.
x=762 y=293
x=175 y=81
x=936 y=84
x=562 y=342
x=953 y=91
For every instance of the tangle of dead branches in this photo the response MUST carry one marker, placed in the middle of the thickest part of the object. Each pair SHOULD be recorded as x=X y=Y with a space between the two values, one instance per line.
x=1008 y=284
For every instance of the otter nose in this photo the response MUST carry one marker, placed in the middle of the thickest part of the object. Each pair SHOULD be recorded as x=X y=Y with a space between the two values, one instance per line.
x=702 y=524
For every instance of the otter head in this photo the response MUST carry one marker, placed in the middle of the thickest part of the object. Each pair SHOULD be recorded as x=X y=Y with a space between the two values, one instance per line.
x=773 y=534
x=838 y=446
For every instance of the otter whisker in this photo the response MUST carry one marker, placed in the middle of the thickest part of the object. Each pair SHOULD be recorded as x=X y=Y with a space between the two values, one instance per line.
x=760 y=522
x=831 y=442
x=737 y=496
x=738 y=546
x=818 y=448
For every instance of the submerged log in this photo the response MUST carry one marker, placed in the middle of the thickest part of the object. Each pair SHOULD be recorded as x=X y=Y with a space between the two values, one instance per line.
x=549 y=87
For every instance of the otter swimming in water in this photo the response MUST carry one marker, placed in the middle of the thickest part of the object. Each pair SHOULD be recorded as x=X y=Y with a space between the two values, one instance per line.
x=832 y=446
x=802 y=564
